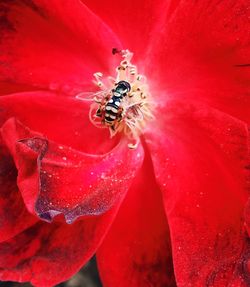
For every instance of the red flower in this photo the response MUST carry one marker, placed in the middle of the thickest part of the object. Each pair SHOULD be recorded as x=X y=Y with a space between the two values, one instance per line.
x=187 y=181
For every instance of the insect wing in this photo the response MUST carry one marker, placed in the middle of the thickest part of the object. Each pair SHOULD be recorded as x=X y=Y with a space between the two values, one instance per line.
x=90 y=96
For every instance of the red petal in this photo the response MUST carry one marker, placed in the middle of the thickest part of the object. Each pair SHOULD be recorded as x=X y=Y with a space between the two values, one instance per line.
x=47 y=254
x=9 y=88
x=65 y=44
x=247 y=222
x=202 y=53
x=136 y=251
x=61 y=119
x=200 y=156
x=135 y=22
x=13 y=213
x=58 y=179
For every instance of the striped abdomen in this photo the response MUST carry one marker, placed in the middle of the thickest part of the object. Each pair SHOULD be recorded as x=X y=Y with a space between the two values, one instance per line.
x=111 y=109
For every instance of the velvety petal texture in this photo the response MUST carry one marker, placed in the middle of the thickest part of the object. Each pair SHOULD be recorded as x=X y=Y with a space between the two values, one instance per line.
x=138 y=23
x=137 y=251
x=47 y=112
x=55 y=178
x=62 y=48
x=181 y=213
x=202 y=168
x=47 y=254
x=202 y=52
x=14 y=217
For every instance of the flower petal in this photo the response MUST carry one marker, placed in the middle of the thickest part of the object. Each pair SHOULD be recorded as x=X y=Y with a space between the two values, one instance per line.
x=47 y=254
x=61 y=119
x=14 y=217
x=201 y=158
x=9 y=88
x=202 y=53
x=136 y=251
x=63 y=47
x=135 y=22
x=57 y=179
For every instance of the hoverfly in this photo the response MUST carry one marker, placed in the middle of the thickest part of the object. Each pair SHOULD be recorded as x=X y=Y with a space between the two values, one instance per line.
x=122 y=105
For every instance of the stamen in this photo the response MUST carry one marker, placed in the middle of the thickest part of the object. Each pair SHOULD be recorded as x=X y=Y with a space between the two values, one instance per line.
x=123 y=104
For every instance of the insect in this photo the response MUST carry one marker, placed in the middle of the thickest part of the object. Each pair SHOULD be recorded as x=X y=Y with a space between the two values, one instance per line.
x=112 y=110
x=122 y=104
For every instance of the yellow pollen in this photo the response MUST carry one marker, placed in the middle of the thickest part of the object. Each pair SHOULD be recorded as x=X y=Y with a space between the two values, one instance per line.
x=123 y=104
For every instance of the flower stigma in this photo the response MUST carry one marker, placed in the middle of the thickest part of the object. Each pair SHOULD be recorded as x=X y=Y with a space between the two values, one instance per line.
x=122 y=104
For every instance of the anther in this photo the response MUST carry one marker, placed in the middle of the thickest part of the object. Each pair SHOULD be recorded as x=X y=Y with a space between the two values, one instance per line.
x=115 y=51
x=123 y=105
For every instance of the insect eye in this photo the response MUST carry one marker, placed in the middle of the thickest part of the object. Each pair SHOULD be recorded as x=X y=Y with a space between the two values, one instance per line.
x=125 y=85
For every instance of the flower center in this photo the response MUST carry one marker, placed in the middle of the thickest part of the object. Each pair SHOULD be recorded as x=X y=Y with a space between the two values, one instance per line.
x=123 y=103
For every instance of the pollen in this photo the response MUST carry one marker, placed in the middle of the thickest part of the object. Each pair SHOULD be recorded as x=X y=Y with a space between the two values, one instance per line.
x=123 y=103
